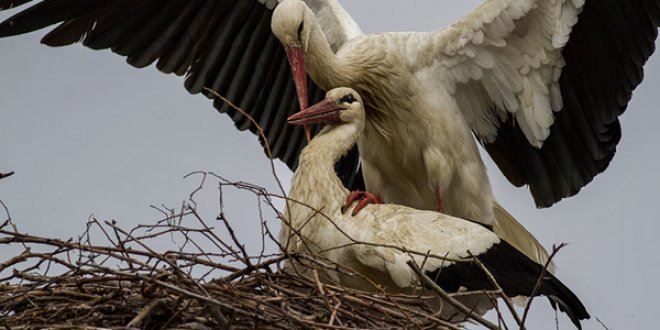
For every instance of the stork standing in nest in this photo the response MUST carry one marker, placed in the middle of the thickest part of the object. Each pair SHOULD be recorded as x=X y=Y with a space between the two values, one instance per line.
x=376 y=241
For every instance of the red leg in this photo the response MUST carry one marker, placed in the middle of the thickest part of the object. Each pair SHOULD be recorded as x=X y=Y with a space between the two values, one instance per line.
x=352 y=197
x=364 y=198
x=440 y=207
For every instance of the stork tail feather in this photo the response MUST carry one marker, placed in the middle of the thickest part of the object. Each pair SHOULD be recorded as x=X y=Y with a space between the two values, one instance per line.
x=510 y=230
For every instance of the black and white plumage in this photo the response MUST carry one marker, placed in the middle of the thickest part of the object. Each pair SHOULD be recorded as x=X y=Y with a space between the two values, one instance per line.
x=226 y=46
x=515 y=71
x=525 y=76
x=502 y=73
x=515 y=274
x=202 y=39
x=603 y=59
x=379 y=241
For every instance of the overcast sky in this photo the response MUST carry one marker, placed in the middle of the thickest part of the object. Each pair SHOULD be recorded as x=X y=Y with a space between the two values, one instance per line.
x=88 y=134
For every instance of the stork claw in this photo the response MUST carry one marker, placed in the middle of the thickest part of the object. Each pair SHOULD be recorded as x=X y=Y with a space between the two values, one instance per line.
x=365 y=198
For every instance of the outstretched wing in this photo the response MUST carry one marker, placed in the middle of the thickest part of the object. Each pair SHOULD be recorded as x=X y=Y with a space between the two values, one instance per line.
x=542 y=83
x=223 y=45
x=337 y=25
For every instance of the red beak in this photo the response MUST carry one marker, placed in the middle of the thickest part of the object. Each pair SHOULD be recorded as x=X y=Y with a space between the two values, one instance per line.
x=324 y=112
x=296 y=57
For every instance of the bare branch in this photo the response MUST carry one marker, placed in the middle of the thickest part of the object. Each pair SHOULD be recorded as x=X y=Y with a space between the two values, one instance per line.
x=537 y=286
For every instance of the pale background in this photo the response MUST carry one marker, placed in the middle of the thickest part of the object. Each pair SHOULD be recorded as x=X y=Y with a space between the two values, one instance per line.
x=88 y=134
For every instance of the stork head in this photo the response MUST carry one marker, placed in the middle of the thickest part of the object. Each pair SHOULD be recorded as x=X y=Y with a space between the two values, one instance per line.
x=292 y=24
x=340 y=106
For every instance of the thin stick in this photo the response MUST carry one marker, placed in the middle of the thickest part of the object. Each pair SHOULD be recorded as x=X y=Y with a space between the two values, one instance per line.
x=6 y=175
x=261 y=131
x=501 y=293
x=537 y=286
x=139 y=319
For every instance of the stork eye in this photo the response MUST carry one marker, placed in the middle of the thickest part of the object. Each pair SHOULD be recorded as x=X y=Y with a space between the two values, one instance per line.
x=348 y=99
x=300 y=30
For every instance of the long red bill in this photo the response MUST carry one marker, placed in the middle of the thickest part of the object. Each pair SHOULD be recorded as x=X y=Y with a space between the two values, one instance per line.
x=324 y=112
x=296 y=57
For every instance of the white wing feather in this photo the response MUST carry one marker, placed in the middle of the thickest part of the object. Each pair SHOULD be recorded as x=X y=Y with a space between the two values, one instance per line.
x=417 y=231
x=502 y=59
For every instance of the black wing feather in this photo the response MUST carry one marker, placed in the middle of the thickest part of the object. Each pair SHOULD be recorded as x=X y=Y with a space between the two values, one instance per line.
x=516 y=274
x=604 y=57
x=226 y=46
x=8 y=4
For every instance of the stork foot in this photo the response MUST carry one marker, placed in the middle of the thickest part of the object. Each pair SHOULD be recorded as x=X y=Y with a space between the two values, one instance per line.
x=364 y=198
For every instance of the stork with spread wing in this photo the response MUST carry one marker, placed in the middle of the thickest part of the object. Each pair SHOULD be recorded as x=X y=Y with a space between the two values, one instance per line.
x=380 y=242
x=540 y=83
x=526 y=77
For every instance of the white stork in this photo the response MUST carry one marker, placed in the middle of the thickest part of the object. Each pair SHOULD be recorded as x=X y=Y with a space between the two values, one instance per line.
x=379 y=241
x=525 y=77
x=540 y=83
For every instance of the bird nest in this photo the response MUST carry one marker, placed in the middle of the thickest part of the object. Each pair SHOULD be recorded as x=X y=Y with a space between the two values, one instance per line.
x=205 y=277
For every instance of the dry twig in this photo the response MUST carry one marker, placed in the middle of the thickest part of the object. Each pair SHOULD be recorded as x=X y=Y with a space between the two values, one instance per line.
x=6 y=175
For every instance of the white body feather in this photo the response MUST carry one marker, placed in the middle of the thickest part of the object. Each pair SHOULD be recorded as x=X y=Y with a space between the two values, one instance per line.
x=387 y=230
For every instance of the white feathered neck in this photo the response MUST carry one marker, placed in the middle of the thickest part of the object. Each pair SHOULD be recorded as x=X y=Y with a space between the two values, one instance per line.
x=315 y=184
x=324 y=66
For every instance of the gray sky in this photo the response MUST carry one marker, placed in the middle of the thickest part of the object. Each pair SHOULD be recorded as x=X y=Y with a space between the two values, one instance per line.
x=88 y=134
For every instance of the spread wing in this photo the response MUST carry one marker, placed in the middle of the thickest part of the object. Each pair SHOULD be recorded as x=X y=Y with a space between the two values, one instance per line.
x=542 y=83
x=223 y=45
x=337 y=25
